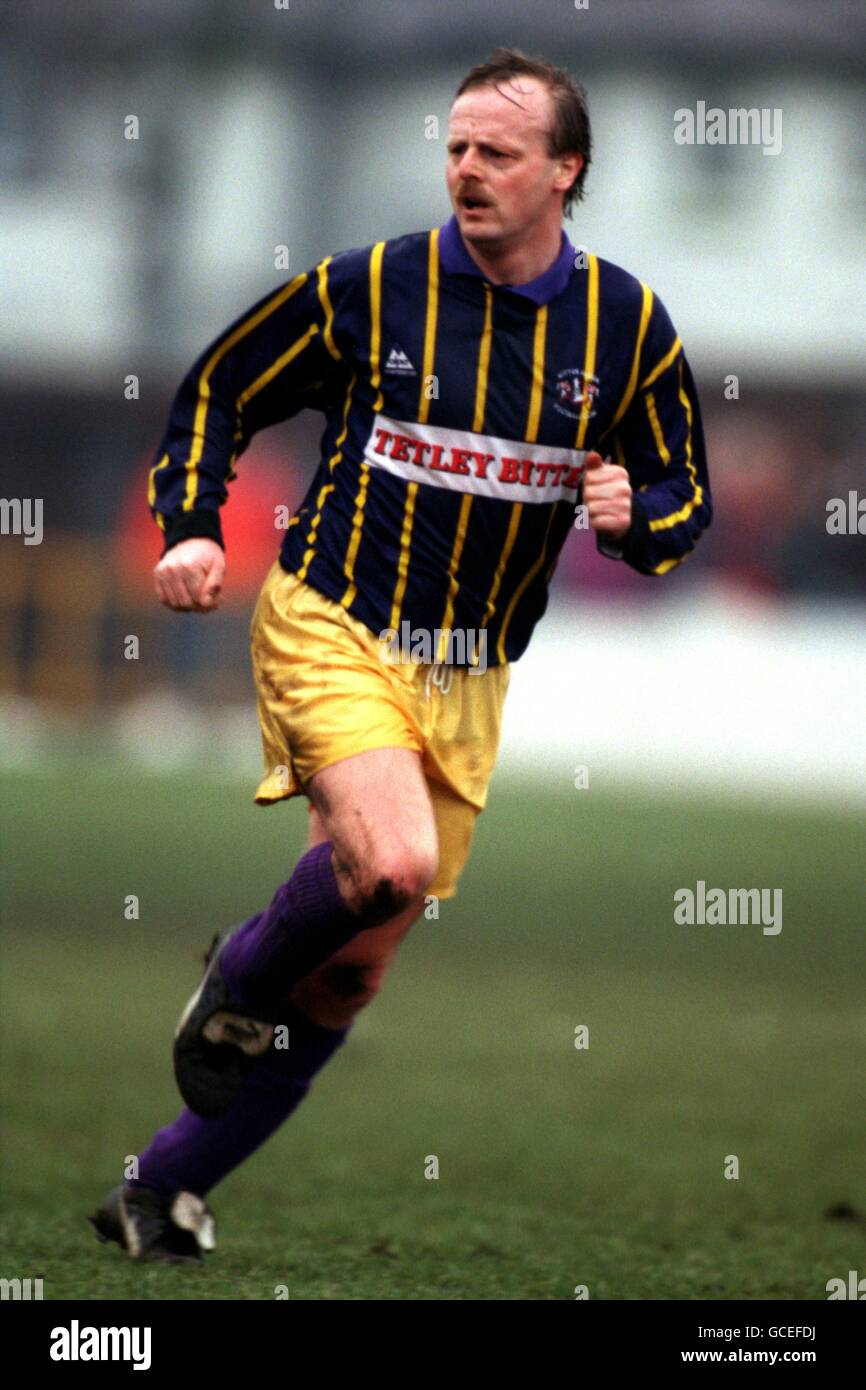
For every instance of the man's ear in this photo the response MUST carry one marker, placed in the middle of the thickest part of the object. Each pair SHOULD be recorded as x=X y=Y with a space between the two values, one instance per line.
x=568 y=168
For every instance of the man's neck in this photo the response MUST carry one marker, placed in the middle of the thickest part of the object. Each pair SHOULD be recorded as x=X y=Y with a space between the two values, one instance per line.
x=517 y=265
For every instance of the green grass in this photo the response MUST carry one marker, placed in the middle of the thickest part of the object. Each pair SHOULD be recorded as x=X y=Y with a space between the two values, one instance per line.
x=558 y=1167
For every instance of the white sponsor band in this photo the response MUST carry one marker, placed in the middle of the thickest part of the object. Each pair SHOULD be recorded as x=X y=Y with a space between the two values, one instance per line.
x=462 y=461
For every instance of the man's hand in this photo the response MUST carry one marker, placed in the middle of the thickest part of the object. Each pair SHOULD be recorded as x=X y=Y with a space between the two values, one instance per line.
x=607 y=497
x=189 y=577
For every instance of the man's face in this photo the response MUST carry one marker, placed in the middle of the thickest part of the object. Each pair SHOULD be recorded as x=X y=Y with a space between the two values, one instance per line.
x=501 y=179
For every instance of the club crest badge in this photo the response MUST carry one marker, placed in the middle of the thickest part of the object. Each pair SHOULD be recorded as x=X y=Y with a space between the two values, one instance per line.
x=574 y=389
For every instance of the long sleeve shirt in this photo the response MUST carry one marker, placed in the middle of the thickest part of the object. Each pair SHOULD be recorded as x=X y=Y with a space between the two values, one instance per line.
x=458 y=415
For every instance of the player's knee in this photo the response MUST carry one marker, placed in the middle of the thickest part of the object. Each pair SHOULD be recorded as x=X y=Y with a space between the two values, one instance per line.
x=393 y=882
x=382 y=896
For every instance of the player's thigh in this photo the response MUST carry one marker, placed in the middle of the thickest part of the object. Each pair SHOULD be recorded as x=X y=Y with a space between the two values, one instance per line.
x=375 y=809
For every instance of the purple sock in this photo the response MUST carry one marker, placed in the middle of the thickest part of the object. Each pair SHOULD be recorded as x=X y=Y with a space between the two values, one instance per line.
x=193 y=1154
x=305 y=923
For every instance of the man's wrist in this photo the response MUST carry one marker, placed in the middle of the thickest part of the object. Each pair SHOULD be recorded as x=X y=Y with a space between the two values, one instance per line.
x=192 y=525
x=634 y=545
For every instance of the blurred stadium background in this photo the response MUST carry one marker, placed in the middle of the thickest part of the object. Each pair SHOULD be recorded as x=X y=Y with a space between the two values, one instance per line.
x=718 y=712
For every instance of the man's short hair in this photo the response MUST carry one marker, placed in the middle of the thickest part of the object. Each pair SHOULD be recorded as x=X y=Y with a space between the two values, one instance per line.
x=571 y=131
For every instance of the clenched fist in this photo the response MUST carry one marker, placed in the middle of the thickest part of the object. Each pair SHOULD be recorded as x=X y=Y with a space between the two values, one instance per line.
x=189 y=577
x=607 y=497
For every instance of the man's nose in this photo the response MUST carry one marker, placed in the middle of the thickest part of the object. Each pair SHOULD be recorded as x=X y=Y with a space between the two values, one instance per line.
x=469 y=166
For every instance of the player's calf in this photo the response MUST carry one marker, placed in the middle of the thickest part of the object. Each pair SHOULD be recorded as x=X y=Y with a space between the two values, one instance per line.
x=332 y=995
x=229 y=1022
x=217 y=1041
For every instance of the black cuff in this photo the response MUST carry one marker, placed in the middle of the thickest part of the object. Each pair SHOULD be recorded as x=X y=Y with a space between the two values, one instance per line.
x=187 y=525
x=634 y=546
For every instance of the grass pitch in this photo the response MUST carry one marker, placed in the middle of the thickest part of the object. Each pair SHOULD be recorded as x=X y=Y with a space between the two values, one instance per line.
x=558 y=1167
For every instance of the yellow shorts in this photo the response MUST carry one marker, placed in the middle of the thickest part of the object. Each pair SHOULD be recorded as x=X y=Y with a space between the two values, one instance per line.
x=324 y=693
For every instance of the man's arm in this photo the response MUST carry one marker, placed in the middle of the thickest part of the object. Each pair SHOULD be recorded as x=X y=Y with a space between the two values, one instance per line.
x=659 y=457
x=265 y=367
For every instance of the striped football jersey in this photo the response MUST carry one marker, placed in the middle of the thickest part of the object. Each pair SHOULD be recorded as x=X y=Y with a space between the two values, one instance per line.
x=458 y=415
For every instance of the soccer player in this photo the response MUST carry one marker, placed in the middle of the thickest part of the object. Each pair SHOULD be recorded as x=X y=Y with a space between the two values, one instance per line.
x=479 y=381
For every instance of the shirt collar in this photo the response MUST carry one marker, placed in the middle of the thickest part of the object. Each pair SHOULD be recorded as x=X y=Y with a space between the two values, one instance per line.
x=456 y=260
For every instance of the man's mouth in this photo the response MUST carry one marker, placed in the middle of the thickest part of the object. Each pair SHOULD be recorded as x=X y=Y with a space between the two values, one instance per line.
x=471 y=204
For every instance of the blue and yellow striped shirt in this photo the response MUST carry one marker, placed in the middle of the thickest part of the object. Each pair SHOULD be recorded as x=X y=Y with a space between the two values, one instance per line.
x=457 y=417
